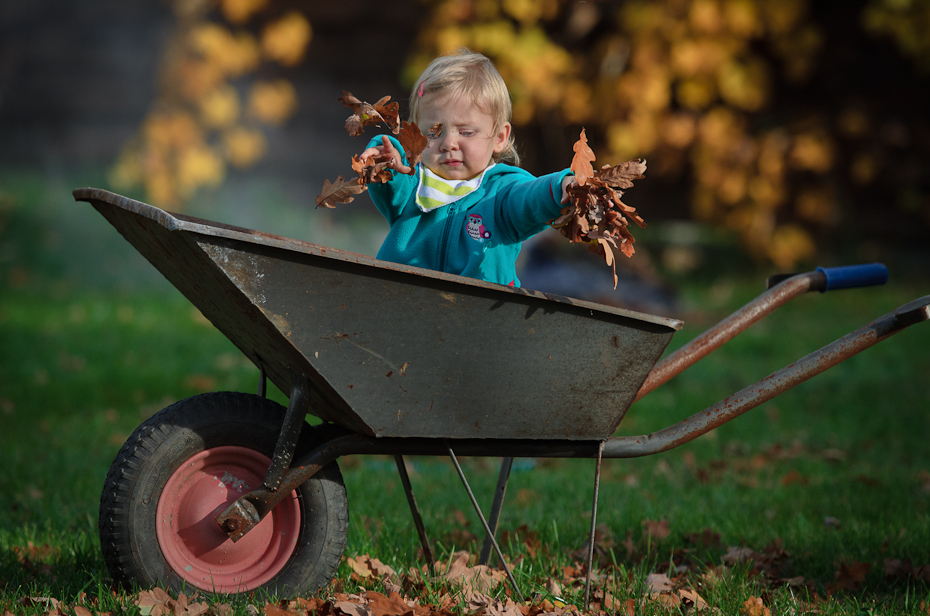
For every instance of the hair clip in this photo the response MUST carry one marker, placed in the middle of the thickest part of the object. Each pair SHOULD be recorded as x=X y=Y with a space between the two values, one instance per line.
x=420 y=93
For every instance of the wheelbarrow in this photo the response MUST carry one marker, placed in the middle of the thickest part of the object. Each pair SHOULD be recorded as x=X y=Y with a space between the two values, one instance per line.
x=231 y=492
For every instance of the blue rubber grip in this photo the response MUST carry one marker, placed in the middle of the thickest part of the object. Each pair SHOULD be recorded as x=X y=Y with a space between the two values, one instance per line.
x=851 y=276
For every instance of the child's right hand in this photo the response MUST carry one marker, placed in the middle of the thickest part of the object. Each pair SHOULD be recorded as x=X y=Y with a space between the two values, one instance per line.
x=387 y=149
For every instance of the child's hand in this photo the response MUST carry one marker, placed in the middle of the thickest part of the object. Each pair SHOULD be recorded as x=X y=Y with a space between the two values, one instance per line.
x=567 y=182
x=387 y=149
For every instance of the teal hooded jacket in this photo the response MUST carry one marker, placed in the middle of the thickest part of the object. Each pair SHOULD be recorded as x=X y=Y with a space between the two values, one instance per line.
x=479 y=235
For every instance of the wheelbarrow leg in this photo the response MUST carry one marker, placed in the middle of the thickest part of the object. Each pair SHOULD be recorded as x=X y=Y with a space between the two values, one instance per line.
x=487 y=529
x=262 y=380
x=498 y=504
x=597 y=484
x=417 y=519
x=290 y=430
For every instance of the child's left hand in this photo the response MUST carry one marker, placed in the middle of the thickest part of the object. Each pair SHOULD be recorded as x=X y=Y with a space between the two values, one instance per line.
x=567 y=182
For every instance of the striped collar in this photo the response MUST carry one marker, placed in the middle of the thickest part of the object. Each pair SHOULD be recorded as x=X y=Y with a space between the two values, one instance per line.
x=434 y=192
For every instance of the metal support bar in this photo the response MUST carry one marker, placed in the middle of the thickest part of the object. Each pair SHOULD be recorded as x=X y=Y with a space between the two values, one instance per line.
x=502 y=478
x=415 y=511
x=597 y=484
x=484 y=523
x=290 y=430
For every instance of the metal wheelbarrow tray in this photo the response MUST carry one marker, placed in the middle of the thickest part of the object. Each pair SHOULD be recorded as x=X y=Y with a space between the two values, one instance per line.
x=230 y=492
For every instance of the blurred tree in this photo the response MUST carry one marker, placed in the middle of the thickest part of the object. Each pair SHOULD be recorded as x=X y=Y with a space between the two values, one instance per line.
x=208 y=114
x=791 y=122
x=709 y=90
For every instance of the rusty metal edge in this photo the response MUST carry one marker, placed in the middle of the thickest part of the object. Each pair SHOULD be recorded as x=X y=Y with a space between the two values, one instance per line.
x=180 y=222
x=727 y=329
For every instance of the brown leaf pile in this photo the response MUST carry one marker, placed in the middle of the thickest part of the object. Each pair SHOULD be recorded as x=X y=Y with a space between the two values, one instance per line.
x=595 y=215
x=459 y=586
x=375 y=169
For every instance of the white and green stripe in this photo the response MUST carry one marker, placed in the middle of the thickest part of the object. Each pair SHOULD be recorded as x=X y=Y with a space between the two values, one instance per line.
x=434 y=191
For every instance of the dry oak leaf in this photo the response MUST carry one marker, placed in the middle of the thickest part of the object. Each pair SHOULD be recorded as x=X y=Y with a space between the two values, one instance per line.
x=621 y=176
x=273 y=609
x=365 y=114
x=373 y=169
x=581 y=162
x=387 y=605
x=753 y=606
x=595 y=215
x=693 y=600
x=157 y=602
x=339 y=191
x=479 y=578
x=366 y=566
x=851 y=576
x=656 y=531
x=738 y=555
x=414 y=141
x=351 y=607
x=659 y=583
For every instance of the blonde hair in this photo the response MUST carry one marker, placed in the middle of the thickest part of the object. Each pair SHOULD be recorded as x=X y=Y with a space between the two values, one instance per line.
x=466 y=73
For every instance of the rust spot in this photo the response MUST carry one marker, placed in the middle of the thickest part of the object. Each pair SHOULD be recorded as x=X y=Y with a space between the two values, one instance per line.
x=615 y=340
x=390 y=372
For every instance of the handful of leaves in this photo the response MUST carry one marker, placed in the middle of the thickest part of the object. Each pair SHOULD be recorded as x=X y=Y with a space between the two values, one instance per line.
x=595 y=215
x=374 y=168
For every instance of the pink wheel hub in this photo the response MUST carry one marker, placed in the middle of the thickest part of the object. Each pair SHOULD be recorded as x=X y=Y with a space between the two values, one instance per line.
x=193 y=543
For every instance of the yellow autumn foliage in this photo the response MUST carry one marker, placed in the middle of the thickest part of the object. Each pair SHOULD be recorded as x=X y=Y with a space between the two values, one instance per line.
x=198 y=166
x=272 y=102
x=220 y=108
x=199 y=125
x=670 y=80
x=906 y=21
x=244 y=146
x=232 y=54
x=286 y=39
x=241 y=11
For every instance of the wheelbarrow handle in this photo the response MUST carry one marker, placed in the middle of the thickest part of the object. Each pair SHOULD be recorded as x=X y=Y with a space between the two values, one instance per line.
x=852 y=276
x=781 y=288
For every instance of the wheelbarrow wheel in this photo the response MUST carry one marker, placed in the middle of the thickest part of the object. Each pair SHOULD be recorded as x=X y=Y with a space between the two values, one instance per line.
x=185 y=465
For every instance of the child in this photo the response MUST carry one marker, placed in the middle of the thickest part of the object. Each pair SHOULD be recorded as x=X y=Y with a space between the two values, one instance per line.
x=464 y=210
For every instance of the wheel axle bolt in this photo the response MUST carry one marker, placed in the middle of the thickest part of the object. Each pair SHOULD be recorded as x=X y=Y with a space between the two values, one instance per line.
x=231 y=526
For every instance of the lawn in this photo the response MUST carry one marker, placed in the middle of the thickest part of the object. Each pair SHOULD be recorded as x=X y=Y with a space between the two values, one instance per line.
x=816 y=501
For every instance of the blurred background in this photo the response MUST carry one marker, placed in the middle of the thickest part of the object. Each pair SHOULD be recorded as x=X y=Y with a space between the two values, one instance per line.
x=779 y=134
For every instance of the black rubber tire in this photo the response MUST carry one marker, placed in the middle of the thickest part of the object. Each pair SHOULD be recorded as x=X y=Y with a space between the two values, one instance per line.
x=164 y=442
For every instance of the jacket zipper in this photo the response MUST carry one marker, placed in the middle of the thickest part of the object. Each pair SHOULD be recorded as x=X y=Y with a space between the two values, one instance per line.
x=444 y=238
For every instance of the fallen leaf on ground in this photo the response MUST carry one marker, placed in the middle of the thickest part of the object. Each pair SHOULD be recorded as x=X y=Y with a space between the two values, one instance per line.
x=659 y=582
x=478 y=578
x=366 y=566
x=656 y=531
x=753 y=606
x=852 y=575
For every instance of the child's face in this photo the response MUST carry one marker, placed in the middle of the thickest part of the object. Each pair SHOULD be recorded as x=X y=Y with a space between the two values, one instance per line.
x=468 y=140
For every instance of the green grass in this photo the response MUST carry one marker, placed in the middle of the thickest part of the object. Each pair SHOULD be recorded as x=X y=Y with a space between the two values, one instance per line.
x=837 y=470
